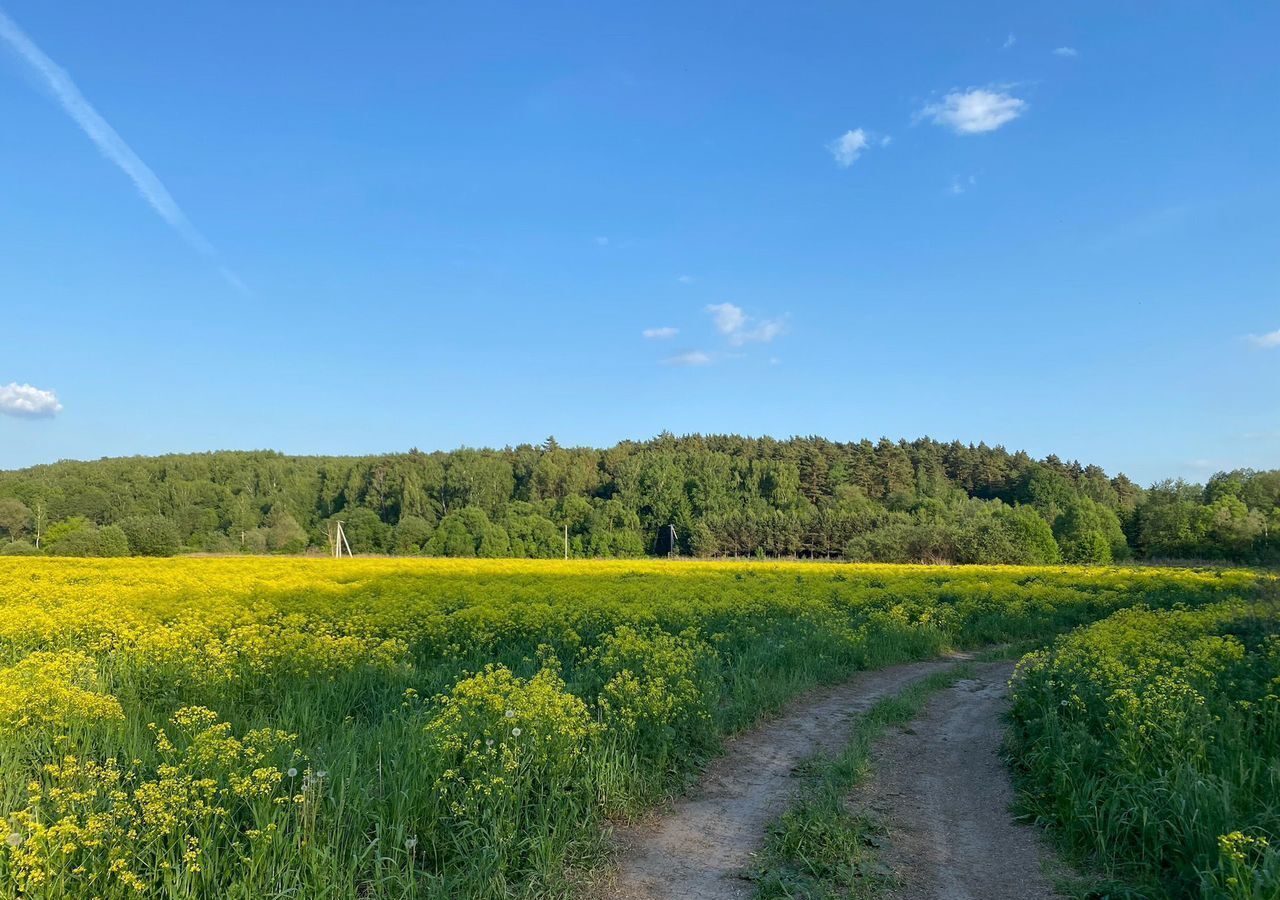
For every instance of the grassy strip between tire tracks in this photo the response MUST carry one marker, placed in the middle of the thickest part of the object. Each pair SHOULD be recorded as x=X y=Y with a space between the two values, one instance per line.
x=821 y=849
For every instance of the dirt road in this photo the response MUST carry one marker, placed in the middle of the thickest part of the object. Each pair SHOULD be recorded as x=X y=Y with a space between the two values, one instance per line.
x=942 y=790
x=700 y=847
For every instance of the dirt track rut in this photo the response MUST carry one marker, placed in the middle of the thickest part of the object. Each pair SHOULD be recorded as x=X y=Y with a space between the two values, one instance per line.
x=701 y=846
x=943 y=792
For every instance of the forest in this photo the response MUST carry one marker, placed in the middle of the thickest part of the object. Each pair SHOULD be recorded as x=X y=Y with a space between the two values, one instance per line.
x=727 y=496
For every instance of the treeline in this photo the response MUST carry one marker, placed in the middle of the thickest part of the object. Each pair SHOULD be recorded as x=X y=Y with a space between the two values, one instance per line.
x=726 y=496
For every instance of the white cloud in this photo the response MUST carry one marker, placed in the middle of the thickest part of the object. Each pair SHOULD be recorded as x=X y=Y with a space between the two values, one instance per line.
x=960 y=185
x=108 y=142
x=691 y=358
x=660 y=333
x=848 y=147
x=28 y=402
x=1009 y=41
x=739 y=328
x=1066 y=52
x=975 y=111
x=685 y=279
x=729 y=319
x=602 y=241
x=1268 y=341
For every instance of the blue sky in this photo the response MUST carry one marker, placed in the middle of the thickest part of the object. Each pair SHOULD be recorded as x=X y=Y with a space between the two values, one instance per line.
x=348 y=228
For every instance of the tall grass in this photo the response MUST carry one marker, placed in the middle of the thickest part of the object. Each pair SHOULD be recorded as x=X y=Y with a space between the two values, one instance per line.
x=1150 y=744
x=420 y=729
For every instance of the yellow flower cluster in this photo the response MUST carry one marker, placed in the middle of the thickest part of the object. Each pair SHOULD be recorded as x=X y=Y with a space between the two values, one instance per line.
x=514 y=750
x=469 y=720
x=52 y=693
x=110 y=825
x=1156 y=735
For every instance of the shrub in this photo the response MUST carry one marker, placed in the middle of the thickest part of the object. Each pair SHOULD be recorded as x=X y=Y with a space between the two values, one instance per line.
x=513 y=754
x=1151 y=742
x=151 y=535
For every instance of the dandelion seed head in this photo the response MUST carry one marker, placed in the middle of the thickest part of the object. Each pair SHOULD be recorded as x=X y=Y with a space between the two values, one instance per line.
x=515 y=732
x=292 y=773
x=510 y=714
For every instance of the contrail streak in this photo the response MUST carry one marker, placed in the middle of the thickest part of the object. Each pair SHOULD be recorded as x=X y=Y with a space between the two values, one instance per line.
x=108 y=142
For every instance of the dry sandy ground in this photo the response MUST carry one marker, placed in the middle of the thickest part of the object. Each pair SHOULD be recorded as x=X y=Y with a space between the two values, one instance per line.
x=938 y=785
x=941 y=789
x=700 y=847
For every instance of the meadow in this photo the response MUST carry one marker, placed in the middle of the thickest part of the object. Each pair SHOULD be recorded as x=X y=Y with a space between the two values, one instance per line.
x=414 y=728
x=1150 y=743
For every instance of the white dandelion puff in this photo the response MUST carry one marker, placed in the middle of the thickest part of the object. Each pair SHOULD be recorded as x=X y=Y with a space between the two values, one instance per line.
x=510 y=714
x=515 y=732
x=410 y=843
x=292 y=773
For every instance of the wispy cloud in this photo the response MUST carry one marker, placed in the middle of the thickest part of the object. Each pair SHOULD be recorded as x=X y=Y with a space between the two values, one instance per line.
x=108 y=142
x=27 y=402
x=601 y=241
x=739 y=328
x=974 y=111
x=960 y=185
x=685 y=279
x=848 y=147
x=1009 y=41
x=690 y=358
x=1268 y=341
x=659 y=334
x=1066 y=52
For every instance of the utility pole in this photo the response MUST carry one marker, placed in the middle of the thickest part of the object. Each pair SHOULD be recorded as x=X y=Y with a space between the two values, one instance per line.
x=340 y=541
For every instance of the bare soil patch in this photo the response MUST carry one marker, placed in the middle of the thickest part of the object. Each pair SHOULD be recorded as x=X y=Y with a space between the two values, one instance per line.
x=702 y=845
x=942 y=791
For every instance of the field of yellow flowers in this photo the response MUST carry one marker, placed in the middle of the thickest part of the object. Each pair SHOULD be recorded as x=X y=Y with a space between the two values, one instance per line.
x=263 y=728
x=1150 y=741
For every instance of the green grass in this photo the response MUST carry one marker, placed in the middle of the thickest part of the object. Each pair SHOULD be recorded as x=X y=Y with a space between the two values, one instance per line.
x=820 y=848
x=1149 y=745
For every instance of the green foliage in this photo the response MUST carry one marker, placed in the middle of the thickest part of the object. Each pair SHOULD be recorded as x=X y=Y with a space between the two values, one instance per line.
x=1150 y=742
x=1089 y=533
x=468 y=532
x=726 y=495
x=366 y=533
x=111 y=540
x=394 y=675
x=284 y=534
x=151 y=535
x=15 y=517
x=411 y=534
x=19 y=548
x=658 y=694
x=512 y=753
x=79 y=537
x=59 y=531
